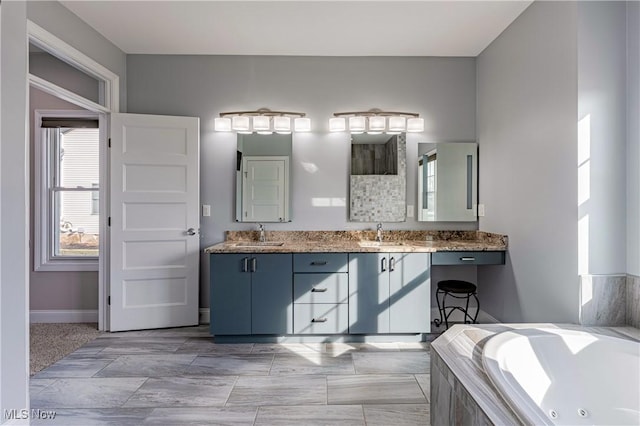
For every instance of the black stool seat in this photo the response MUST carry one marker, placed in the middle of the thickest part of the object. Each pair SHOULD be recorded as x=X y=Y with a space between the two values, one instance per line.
x=457 y=289
x=456 y=286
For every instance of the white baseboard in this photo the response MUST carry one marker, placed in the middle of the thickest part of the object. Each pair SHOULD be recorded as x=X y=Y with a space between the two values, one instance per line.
x=204 y=316
x=71 y=315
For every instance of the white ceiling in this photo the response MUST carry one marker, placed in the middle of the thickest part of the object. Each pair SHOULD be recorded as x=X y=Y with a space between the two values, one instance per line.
x=309 y=28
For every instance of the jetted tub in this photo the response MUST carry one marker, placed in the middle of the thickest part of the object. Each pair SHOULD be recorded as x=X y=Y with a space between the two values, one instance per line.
x=565 y=377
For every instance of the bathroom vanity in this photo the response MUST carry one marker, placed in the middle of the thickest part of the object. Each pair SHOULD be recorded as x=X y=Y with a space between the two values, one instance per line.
x=323 y=284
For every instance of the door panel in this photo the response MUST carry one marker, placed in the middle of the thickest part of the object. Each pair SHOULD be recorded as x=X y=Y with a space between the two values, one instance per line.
x=154 y=201
x=230 y=294
x=368 y=293
x=264 y=190
x=410 y=293
x=271 y=294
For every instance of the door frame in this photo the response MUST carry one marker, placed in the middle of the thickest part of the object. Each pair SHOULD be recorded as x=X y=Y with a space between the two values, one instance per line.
x=110 y=102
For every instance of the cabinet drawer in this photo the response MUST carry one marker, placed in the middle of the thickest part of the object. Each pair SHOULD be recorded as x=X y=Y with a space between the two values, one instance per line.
x=321 y=288
x=468 y=258
x=320 y=318
x=320 y=262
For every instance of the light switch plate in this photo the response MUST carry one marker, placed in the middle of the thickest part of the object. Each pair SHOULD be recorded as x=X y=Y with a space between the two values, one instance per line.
x=206 y=210
x=481 y=210
x=409 y=210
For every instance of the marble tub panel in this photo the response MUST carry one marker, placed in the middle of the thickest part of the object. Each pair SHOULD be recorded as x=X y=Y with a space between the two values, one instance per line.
x=442 y=396
x=633 y=301
x=602 y=300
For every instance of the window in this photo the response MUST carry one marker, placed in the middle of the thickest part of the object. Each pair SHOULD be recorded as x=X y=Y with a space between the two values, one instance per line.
x=68 y=193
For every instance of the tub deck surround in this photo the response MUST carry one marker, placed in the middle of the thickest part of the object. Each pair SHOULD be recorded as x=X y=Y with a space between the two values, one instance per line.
x=461 y=391
x=362 y=242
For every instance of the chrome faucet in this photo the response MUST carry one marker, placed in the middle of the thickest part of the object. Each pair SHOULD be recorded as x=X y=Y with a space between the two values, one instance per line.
x=263 y=237
x=379 y=233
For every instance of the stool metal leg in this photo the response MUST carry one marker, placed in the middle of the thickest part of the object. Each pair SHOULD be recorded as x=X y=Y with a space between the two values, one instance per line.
x=477 y=307
x=436 y=321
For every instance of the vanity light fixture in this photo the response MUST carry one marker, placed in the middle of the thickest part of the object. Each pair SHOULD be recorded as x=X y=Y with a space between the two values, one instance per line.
x=263 y=121
x=376 y=121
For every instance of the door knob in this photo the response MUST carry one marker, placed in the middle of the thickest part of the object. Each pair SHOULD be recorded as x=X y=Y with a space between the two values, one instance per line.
x=191 y=231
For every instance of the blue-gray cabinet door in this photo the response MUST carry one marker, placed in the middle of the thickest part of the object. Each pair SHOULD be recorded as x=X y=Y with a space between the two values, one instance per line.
x=272 y=293
x=410 y=293
x=230 y=294
x=368 y=293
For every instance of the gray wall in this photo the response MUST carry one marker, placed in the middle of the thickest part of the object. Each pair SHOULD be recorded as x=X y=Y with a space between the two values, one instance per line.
x=58 y=20
x=67 y=290
x=527 y=132
x=633 y=138
x=442 y=90
x=602 y=101
x=52 y=69
x=14 y=201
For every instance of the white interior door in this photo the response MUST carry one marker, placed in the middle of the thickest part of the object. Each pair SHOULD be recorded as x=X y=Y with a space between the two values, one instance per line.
x=265 y=189
x=154 y=254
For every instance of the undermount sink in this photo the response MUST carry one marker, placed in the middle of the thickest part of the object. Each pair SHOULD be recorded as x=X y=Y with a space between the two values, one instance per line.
x=381 y=244
x=259 y=244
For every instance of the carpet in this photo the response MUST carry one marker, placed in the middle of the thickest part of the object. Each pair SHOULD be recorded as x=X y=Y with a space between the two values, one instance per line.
x=51 y=342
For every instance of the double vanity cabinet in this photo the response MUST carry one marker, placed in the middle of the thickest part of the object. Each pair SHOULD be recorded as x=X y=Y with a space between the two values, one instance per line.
x=344 y=288
x=319 y=293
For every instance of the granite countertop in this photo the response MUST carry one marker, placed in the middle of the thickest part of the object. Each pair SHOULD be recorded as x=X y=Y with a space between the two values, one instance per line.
x=360 y=242
x=460 y=347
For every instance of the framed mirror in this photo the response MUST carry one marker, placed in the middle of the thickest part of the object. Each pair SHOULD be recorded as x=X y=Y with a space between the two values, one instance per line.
x=378 y=178
x=263 y=178
x=447 y=182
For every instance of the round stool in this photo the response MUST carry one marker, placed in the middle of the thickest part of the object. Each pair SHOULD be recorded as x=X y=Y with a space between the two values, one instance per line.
x=458 y=290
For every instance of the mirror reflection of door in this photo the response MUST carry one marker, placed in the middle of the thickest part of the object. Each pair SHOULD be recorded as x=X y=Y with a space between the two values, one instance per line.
x=263 y=177
x=264 y=188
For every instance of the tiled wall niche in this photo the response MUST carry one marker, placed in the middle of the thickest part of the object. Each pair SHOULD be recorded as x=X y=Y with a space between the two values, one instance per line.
x=380 y=198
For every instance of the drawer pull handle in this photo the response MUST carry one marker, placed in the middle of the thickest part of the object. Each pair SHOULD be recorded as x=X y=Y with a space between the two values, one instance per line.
x=319 y=320
x=468 y=259
x=319 y=263
x=318 y=290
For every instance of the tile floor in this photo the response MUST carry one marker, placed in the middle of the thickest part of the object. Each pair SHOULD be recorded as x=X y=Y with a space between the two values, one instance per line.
x=180 y=377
